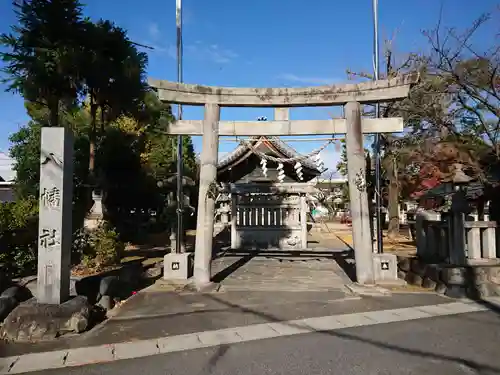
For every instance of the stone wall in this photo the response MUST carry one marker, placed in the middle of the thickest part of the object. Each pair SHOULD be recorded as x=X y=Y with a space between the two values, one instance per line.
x=473 y=281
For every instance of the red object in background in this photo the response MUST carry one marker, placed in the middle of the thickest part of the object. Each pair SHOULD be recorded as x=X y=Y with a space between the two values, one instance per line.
x=345 y=219
x=425 y=186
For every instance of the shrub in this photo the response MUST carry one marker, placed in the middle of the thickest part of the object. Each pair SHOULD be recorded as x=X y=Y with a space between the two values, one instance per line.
x=18 y=236
x=99 y=248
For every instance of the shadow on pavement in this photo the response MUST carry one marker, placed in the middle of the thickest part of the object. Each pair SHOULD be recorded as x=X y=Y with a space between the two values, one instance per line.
x=473 y=365
x=344 y=258
x=220 y=276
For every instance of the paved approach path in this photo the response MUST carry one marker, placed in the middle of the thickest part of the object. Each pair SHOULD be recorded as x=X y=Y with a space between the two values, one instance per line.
x=451 y=338
x=312 y=270
x=317 y=269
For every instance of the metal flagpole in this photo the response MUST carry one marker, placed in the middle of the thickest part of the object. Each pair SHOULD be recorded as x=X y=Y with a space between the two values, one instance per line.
x=378 y=197
x=180 y=195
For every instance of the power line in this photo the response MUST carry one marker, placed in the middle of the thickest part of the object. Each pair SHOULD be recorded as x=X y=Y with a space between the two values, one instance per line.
x=142 y=45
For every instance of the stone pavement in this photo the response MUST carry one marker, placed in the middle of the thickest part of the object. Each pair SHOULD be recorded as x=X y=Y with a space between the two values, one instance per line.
x=312 y=270
x=222 y=338
x=315 y=269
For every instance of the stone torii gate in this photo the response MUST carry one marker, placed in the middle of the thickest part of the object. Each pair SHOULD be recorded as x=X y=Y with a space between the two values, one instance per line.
x=351 y=96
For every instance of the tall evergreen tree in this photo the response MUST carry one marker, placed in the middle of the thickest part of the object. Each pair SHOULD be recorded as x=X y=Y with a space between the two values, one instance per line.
x=42 y=62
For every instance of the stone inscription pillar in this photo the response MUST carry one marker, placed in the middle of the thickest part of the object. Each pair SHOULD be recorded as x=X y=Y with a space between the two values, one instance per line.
x=206 y=203
x=356 y=168
x=55 y=215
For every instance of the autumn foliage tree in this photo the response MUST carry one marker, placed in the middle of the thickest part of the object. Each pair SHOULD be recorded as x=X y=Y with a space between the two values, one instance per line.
x=451 y=116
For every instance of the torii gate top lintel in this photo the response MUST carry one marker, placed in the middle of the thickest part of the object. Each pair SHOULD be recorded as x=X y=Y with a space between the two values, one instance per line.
x=396 y=88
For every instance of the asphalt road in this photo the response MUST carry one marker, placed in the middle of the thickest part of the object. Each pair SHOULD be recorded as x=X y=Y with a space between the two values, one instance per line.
x=460 y=344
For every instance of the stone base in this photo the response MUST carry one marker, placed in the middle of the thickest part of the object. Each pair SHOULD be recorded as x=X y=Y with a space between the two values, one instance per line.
x=268 y=239
x=32 y=321
x=385 y=267
x=478 y=280
x=392 y=283
x=95 y=216
x=11 y=298
x=130 y=274
x=456 y=291
x=210 y=287
x=177 y=266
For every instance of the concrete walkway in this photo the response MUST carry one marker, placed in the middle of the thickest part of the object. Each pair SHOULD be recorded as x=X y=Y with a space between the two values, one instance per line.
x=226 y=336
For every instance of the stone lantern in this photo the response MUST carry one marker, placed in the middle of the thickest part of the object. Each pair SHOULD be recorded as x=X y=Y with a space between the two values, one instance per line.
x=171 y=183
x=458 y=181
x=458 y=209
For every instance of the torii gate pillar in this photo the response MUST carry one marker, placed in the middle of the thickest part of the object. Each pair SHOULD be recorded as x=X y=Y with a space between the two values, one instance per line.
x=356 y=171
x=206 y=201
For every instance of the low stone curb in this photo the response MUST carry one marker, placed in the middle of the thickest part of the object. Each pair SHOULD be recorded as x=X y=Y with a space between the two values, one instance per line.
x=164 y=345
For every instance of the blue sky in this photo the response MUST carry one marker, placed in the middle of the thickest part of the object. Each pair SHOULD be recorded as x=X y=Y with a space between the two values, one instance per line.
x=279 y=43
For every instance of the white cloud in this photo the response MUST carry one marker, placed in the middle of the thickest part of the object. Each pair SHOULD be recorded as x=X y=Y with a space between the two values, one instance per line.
x=6 y=167
x=310 y=80
x=171 y=51
x=154 y=30
x=212 y=52
x=331 y=159
x=199 y=51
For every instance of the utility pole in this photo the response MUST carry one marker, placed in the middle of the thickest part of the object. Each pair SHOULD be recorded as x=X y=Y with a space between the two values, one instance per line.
x=378 y=196
x=180 y=195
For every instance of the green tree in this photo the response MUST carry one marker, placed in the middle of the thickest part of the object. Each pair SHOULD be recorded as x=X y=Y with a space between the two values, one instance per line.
x=18 y=236
x=342 y=169
x=54 y=58
x=25 y=150
x=113 y=72
x=162 y=157
x=131 y=155
x=42 y=62
x=342 y=163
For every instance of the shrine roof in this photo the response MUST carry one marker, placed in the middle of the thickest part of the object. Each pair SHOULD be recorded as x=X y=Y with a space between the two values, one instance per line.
x=280 y=147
